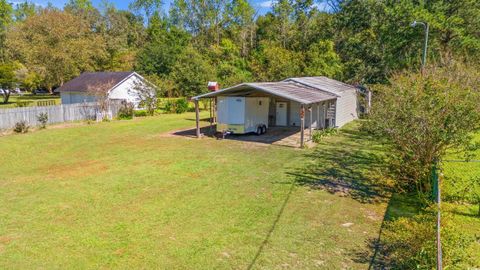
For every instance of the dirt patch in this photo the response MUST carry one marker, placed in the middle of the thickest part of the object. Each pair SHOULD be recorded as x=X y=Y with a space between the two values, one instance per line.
x=79 y=169
x=282 y=136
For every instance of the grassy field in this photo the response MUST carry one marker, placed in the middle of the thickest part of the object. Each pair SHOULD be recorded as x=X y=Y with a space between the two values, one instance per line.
x=28 y=99
x=124 y=194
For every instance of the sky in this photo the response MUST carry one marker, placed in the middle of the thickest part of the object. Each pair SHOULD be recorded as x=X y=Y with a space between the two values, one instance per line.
x=262 y=6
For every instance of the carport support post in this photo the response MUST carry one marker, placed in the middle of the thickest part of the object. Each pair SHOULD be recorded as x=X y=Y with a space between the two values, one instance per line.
x=310 y=109
x=197 y=116
x=302 y=126
x=318 y=116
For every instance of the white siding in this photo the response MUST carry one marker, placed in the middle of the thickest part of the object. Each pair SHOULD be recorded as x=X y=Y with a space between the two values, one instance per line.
x=126 y=90
x=294 y=114
x=123 y=91
x=346 y=108
x=76 y=97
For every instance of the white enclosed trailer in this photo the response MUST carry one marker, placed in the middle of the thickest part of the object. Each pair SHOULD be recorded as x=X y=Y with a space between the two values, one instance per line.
x=240 y=115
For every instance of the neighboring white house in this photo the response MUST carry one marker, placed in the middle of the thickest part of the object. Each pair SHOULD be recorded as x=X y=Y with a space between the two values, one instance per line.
x=113 y=85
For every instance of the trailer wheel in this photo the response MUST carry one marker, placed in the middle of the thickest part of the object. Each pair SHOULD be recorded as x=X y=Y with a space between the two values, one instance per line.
x=264 y=129
x=259 y=131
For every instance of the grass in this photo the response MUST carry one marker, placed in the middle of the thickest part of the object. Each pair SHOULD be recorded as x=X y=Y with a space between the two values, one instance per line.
x=125 y=195
x=31 y=99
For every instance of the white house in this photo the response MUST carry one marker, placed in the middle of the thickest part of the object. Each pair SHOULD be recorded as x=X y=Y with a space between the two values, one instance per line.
x=313 y=102
x=113 y=85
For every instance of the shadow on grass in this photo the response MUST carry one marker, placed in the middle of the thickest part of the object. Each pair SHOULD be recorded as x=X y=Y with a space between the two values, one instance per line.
x=349 y=165
x=272 y=229
x=399 y=205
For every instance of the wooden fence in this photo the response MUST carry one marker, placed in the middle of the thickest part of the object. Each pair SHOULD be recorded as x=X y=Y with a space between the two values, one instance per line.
x=56 y=114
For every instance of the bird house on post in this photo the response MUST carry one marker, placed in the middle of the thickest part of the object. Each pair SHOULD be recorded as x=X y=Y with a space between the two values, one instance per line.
x=213 y=86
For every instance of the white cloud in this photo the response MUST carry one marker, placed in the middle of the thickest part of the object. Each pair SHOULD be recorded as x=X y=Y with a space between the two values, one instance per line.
x=266 y=4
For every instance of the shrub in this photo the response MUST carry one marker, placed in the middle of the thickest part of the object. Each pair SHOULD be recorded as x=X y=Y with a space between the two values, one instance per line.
x=422 y=116
x=320 y=134
x=169 y=106
x=21 y=127
x=140 y=113
x=126 y=111
x=42 y=119
x=182 y=105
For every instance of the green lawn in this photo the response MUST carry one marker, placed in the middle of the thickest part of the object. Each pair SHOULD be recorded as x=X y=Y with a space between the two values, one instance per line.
x=124 y=195
x=29 y=100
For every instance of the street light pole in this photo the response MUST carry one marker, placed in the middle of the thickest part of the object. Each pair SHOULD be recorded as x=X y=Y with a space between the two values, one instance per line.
x=425 y=45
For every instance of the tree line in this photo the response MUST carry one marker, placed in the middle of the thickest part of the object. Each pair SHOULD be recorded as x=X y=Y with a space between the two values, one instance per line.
x=180 y=49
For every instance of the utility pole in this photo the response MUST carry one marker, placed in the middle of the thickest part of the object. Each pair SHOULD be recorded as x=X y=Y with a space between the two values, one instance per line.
x=425 y=45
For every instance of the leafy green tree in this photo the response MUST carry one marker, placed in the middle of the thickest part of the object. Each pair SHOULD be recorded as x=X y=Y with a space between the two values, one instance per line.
x=124 y=35
x=240 y=24
x=232 y=68
x=5 y=19
x=203 y=19
x=283 y=12
x=191 y=73
x=165 y=46
x=56 y=45
x=24 y=10
x=273 y=62
x=149 y=7
x=8 y=79
x=322 y=60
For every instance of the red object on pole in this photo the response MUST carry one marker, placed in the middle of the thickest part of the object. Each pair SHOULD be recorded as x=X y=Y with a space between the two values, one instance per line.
x=213 y=86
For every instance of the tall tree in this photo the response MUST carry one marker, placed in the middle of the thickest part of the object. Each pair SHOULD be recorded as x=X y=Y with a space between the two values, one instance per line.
x=24 y=10
x=283 y=12
x=124 y=35
x=241 y=25
x=148 y=7
x=5 y=19
x=56 y=45
x=203 y=19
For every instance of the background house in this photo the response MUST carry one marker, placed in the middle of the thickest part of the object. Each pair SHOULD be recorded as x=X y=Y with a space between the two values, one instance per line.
x=91 y=86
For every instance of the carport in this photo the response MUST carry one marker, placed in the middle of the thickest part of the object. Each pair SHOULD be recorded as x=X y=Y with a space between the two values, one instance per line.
x=291 y=104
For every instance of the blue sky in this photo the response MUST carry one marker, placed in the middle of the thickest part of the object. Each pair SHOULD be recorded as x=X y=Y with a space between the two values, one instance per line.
x=261 y=5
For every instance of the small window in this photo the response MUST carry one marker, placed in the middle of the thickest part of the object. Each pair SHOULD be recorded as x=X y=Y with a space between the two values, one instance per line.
x=260 y=103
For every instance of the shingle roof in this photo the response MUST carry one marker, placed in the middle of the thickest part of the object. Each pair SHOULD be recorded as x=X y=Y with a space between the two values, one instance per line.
x=95 y=81
x=288 y=90
x=324 y=83
x=306 y=90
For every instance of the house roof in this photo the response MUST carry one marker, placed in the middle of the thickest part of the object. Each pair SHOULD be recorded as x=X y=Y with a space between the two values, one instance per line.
x=324 y=83
x=307 y=90
x=95 y=81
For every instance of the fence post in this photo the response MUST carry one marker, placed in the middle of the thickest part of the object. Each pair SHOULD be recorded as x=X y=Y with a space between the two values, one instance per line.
x=437 y=193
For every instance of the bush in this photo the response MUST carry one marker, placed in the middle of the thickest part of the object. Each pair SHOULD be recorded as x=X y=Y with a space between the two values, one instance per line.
x=169 y=106
x=21 y=127
x=140 y=113
x=182 y=106
x=126 y=112
x=320 y=134
x=42 y=119
x=422 y=116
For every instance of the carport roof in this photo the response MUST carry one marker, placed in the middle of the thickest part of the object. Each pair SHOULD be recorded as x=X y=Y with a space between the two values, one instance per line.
x=290 y=90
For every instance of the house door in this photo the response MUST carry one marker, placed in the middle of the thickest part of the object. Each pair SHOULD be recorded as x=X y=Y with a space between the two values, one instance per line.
x=281 y=114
